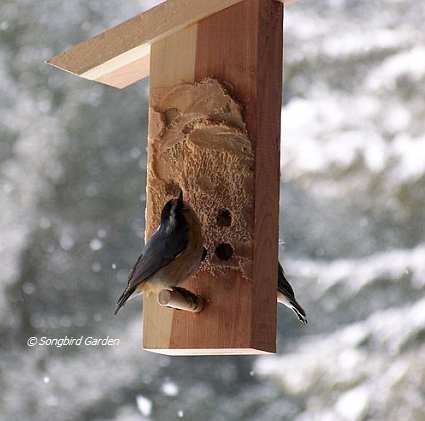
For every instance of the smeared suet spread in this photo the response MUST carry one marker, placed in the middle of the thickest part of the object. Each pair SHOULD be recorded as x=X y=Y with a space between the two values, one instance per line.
x=199 y=142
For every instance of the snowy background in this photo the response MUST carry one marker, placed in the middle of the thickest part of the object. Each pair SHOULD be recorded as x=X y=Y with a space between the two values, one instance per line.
x=72 y=174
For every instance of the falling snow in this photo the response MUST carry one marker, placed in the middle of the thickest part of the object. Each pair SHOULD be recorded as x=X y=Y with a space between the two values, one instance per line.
x=169 y=388
x=144 y=405
x=72 y=173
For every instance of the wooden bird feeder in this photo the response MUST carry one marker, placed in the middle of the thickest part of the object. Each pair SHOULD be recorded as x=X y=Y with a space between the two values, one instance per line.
x=215 y=70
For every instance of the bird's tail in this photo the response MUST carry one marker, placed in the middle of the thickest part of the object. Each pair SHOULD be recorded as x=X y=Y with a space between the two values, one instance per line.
x=286 y=296
x=124 y=297
x=292 y=303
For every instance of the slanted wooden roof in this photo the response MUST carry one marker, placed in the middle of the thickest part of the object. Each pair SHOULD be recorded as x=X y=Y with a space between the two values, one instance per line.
x=120 y=56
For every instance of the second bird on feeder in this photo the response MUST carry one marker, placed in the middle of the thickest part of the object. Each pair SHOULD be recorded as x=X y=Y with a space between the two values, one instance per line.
x=174 y=252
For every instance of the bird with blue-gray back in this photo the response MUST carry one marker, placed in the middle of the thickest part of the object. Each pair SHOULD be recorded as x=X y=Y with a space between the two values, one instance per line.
x=174 y=252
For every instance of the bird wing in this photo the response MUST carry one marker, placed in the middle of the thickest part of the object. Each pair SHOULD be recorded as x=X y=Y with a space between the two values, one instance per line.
x=283 y=285
x=159 y=251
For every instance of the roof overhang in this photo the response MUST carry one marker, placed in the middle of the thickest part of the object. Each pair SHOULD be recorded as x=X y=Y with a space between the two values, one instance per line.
x=120 y=56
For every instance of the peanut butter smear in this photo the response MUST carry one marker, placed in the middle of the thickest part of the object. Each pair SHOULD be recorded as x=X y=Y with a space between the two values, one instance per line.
x=198 y=141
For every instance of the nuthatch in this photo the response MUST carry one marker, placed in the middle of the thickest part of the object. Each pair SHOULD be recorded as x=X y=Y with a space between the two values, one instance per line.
x=286 y=296
x=171 y=255
x=175 y=251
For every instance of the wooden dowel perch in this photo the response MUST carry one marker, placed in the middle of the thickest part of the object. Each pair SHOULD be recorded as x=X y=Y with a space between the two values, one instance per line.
x=181 y=299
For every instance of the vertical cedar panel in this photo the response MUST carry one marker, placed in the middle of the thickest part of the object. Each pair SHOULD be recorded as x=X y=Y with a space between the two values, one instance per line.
x=165 y=73
x=240 y=46
x=243 y=45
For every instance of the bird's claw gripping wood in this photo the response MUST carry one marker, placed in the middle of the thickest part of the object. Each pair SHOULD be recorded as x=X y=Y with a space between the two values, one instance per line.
x=181 y=299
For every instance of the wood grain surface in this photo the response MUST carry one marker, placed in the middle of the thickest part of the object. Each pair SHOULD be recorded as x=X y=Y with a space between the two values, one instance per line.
x=172 y=62
x=240 y=46
x=111 y=56
x=120 y=56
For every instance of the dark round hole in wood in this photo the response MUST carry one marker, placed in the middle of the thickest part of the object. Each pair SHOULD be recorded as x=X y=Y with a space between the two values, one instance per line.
x=204 y=254
x=224 y=218
x=224 y=251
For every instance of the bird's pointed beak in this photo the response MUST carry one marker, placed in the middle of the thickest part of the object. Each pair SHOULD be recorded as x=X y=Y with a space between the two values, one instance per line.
x=180 y=198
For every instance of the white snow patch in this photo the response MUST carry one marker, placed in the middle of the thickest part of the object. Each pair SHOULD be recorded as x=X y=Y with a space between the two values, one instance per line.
x=352 y=405
x=409 y=64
